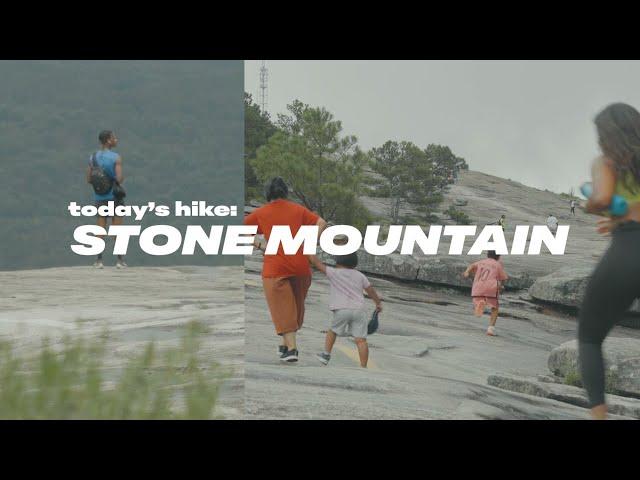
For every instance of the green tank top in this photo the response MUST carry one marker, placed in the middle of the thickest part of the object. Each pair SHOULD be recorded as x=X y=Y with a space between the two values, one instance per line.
x=627 y=194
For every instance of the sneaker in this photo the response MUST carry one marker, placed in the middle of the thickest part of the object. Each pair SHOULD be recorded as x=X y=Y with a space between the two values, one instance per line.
x=323 y=357
x=98 y=264
x=491 y=331
x=121 y=264
x=282 y=349
x=289 y=356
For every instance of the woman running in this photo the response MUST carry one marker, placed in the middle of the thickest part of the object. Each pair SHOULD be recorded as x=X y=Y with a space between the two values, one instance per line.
x=615 y=282
x=285 y=278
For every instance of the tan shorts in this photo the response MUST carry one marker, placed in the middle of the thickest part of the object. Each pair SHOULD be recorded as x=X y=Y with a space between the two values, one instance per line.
x=285 y=297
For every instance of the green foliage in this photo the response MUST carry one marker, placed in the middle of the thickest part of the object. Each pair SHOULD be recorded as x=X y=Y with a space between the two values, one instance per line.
x=323 y=168
x=258 y=128
x=180 y=130
x=573 y=378
x=445 y=164
x=71 y=382
x=569 y=197
x=458 y=216
x=411 y=175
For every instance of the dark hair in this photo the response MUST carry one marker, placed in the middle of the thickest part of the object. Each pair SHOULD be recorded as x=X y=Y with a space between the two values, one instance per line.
x=104 y=136
x=349 y=261
x=618 y=127
x=276 y=188
x=493 y=254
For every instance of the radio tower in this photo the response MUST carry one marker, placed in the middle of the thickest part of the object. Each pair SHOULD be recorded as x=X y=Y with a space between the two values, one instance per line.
x=264 y=76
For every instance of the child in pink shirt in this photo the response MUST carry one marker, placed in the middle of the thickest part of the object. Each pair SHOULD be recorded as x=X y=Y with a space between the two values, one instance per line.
x=487 y=284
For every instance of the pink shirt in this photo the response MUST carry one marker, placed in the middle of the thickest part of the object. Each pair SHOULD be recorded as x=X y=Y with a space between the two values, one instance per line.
x=346 y=286
x=485 y=281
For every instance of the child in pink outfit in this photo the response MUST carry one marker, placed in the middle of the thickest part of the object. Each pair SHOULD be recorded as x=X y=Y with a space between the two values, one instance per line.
x=487 y=284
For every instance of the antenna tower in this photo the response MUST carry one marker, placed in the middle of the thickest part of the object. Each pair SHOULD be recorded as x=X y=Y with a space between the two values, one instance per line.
x=264 y=77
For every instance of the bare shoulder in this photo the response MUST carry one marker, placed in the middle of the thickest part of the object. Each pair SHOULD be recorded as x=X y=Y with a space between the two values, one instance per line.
x=602 y=162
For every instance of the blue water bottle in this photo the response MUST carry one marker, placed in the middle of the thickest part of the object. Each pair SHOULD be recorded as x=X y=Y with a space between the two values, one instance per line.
x=618 y=206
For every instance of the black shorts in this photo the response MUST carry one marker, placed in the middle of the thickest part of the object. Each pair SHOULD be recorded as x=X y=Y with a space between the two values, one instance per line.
x=100 y=203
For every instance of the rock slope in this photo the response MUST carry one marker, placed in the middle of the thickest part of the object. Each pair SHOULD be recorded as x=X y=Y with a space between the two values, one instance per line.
x=135 y=306
x=430 y=359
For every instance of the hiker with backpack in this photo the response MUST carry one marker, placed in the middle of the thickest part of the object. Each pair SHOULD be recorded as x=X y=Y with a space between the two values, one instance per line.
x=104 y=174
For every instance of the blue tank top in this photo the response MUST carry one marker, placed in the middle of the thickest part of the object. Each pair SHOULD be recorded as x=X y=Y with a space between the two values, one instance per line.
x=107 y=160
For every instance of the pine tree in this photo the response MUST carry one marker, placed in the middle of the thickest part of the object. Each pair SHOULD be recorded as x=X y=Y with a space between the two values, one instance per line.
x=410 y=175
x=323 y=167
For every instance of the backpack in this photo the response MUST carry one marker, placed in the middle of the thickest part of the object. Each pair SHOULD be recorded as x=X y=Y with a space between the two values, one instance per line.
x=101 y=182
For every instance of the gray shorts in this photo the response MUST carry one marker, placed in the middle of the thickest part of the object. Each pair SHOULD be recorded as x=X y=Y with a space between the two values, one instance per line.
x=347 y=322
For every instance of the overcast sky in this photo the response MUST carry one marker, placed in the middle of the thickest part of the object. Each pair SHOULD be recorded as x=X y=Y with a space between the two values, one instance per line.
x=531 y=121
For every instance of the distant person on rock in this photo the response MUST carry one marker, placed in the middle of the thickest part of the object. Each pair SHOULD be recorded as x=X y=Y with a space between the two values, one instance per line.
x=615 y=282
x=346 y=302
x=552 y=223
x=104 y=173
x=487 y=284
x=285 y=278
x=501 y=221
x=573 y=207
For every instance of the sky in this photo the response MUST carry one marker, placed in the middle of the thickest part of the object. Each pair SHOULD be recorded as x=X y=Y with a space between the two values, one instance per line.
x=530 y=121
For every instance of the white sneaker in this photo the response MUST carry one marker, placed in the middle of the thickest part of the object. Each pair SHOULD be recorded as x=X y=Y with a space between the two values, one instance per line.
x=491 y=331
x=98 y=264
x=121 y=264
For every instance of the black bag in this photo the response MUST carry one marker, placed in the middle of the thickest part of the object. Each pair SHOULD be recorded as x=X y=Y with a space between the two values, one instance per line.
x=98 y=178
x=118 y=191
x=373 y=323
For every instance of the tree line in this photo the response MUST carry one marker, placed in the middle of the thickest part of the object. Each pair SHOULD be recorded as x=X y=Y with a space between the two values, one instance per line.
x=328 y=172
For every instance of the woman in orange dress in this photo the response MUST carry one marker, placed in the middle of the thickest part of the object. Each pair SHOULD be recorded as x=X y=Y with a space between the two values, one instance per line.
x=285 y=278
